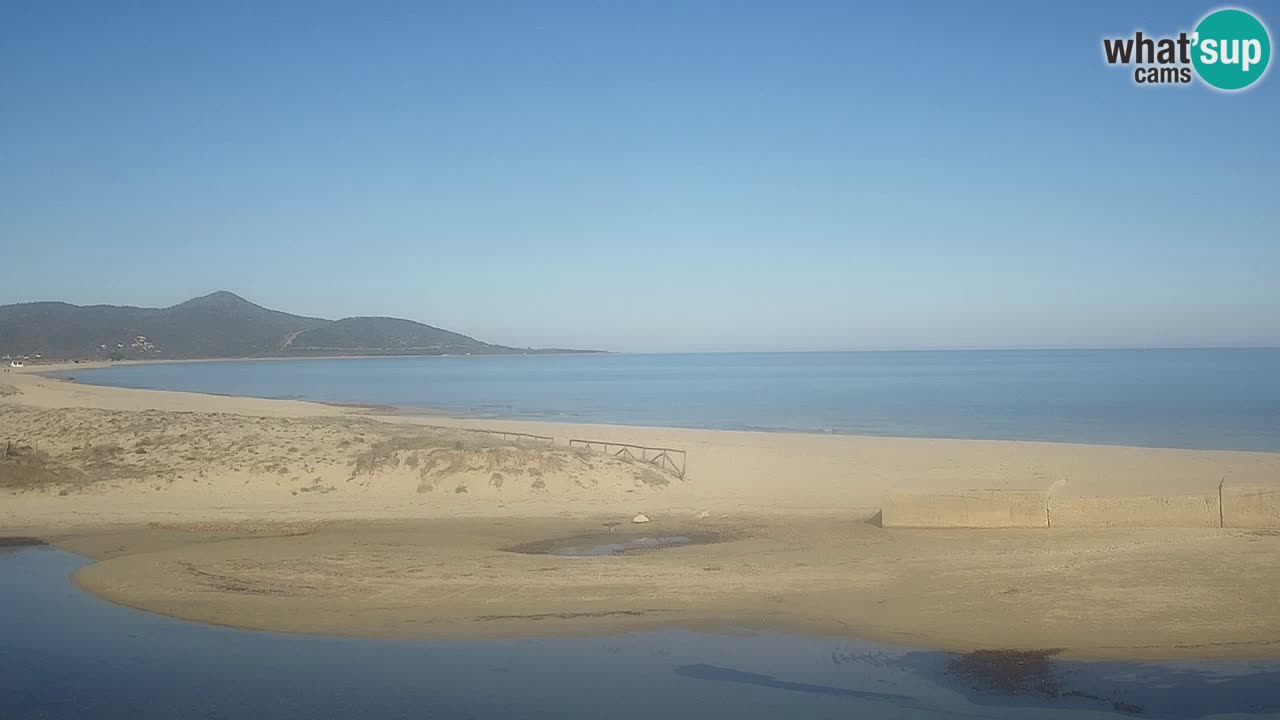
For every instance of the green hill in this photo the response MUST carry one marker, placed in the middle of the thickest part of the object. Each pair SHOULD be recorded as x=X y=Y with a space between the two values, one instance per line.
x=382 y=334
x=214 y=326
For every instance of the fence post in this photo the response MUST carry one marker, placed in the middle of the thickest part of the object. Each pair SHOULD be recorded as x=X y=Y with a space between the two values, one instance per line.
x=1221 y=521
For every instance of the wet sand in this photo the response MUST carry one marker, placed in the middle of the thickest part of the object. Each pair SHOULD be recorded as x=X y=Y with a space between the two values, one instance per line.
x=1096 y=594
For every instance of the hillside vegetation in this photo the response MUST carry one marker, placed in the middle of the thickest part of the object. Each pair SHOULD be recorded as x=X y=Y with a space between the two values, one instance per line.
x=218 y=325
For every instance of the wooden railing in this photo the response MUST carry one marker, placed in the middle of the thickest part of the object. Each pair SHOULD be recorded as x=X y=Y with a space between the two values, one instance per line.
x=504 y=434
x=665 y=458
x=670 y=459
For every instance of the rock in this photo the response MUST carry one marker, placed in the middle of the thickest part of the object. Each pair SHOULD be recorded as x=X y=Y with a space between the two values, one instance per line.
x=641 y=518
x=704 y=514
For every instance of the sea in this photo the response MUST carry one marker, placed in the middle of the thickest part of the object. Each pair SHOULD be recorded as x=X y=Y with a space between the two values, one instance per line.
x=1184 y=398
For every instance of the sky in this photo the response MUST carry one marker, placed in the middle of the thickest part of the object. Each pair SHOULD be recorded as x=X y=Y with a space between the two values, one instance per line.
x=644 y=176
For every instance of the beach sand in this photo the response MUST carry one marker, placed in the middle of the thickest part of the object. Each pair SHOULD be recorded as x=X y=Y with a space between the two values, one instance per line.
x=304 y=517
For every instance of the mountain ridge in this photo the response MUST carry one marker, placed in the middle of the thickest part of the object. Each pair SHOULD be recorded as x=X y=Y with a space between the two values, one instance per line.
x=220 y=324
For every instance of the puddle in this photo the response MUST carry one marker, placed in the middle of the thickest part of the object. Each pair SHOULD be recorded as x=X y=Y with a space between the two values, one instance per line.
x=605 y=544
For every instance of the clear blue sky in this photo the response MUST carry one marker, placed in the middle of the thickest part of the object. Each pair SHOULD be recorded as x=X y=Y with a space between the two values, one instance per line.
x=643 y=176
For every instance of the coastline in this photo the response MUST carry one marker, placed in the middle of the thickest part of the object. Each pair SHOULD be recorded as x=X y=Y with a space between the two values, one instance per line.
x=68 y=365
x=44 y=368
x=386 y=409
x=840 y=471
x=379 y=556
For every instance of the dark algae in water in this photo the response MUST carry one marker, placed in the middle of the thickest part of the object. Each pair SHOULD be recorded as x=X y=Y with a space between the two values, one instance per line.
x=1018 y=672
x=1024 y=672
x=20 y=542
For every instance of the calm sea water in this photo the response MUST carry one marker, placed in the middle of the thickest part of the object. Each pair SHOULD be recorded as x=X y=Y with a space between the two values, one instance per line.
x=65 y=654
x=1211 y=398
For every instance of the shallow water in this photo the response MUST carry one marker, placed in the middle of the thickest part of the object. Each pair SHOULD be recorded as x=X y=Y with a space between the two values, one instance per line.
x=603 y=545
x=66 y=654
x=1210 y=399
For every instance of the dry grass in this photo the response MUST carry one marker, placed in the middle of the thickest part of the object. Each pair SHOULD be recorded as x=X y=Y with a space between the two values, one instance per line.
x=73 y=449
x=653 y=478
x=442 y=455
x=23 y=467
x=80 y=446
x=386 y=454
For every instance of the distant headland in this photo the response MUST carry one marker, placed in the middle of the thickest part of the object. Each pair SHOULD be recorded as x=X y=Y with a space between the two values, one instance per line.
x=218 y=325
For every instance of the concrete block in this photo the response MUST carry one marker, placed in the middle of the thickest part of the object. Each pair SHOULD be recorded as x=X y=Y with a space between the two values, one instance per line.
x=964 y=509
x=1134 y=512
x=1250 y=506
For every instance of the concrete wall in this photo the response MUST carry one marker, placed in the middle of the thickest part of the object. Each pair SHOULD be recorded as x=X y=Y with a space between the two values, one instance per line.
x=1237 y=506
x=1140 y=511
x=1250 y=506
x=965 y=509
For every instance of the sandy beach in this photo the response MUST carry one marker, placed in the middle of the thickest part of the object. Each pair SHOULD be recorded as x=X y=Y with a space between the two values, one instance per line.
x=305 y=517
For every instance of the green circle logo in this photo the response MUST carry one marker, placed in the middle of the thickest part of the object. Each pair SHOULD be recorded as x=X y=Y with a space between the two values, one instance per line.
x=1232 y=49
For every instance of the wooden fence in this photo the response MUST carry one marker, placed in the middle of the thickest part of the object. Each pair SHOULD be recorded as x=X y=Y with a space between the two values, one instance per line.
x=504 y=434
x=671 y=459
x=665 y=458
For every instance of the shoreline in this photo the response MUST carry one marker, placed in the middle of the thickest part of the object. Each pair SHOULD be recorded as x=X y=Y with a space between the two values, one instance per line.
x=43 y=368
x=73 y=363
x=409 y=412
x=855 y=472
x=256 y=513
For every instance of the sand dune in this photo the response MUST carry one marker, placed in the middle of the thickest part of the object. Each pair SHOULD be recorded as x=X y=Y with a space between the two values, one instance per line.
x=127 y=463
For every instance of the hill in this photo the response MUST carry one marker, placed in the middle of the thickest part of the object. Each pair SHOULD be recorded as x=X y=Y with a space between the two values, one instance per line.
x=383 y=334
x=218 y=325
